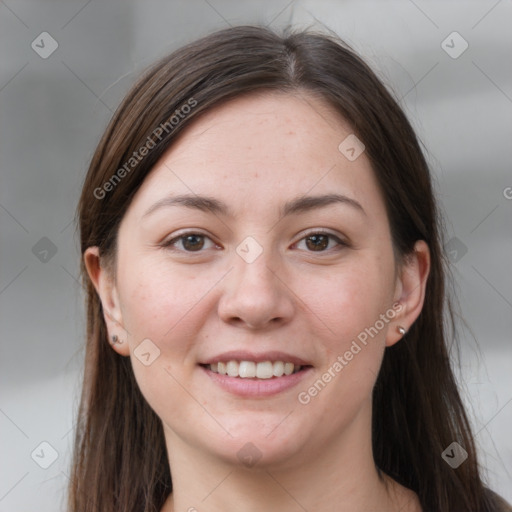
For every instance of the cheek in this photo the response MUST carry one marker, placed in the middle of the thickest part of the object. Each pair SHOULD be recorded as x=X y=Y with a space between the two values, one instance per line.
x=351 y=314
x=157 y=299
x=163 y=306
x=170 y=306
x=353 y=349
x=348 y=300
x=166 y=307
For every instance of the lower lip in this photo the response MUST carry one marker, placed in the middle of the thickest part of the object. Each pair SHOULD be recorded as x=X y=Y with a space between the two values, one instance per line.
x=256 y=387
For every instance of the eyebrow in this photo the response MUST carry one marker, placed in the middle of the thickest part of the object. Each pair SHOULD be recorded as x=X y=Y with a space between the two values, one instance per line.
x=298 y=205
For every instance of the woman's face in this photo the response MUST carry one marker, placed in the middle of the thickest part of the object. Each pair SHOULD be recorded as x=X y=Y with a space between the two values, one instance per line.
x=255 y=239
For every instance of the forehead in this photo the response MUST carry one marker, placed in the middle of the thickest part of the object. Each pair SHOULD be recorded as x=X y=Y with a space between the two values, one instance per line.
x=262 y=149
x=262 y=126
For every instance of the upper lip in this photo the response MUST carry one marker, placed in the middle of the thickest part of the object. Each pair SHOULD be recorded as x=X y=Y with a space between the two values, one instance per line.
x=243 y=355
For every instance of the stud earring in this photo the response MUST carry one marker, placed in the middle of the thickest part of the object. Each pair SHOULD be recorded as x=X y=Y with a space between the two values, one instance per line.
x=401 y=330
x=115 y=339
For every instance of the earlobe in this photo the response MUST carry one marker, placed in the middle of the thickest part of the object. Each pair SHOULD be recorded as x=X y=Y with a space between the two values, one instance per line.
x=104 y=284
x=411 y=290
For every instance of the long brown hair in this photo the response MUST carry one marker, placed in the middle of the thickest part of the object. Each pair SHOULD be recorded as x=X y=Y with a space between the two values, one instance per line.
x=120 y=459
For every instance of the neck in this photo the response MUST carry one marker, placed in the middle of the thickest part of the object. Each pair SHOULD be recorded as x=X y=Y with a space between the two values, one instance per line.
x=340 y=475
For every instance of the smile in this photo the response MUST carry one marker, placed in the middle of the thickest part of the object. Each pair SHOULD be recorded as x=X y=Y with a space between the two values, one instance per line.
x=252 y=369
x=250 y=374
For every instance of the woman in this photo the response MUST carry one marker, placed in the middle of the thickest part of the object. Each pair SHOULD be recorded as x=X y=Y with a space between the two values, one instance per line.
x=265 y=291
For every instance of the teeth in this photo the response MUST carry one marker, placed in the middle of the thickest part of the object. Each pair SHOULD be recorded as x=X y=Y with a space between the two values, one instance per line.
x=265 y=370
x=247 y=369
x=232 y=368
x=250 y=369
x=278 y=369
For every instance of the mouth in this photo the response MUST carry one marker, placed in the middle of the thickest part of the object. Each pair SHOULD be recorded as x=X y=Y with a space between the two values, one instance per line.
x=250 y=375
x=255 y=370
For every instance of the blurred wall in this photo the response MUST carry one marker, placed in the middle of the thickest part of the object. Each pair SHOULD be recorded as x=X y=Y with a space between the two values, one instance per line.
x=65 y=65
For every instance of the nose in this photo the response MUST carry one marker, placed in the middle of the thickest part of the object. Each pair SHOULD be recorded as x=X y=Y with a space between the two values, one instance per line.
x=255 y=295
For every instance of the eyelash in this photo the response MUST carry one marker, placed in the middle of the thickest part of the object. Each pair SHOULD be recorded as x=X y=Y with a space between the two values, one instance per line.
x=170 y=243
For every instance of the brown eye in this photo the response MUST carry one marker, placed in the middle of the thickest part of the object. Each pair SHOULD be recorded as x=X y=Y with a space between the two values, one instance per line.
x=318 y=242
x=190 y=242
x=321 y=242
x=193 y=242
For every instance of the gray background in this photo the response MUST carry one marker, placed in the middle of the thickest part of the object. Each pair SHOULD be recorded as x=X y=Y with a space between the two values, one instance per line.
x=53 y=111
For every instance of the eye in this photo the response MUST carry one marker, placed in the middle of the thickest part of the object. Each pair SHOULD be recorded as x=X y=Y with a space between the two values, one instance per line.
x=318 y=241
x=190 y=242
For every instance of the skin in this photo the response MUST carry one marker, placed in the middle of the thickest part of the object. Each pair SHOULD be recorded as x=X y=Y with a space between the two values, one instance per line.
x=254 y=154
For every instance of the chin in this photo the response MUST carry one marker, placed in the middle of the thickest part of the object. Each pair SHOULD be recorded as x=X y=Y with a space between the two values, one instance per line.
x=260 y=444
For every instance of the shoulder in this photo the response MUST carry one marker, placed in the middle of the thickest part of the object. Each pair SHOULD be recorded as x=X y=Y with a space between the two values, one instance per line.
x=498 y=504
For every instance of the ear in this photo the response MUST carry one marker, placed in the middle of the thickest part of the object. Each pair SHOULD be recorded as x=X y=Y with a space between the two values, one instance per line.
x=104 y=282
x=410 y=290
